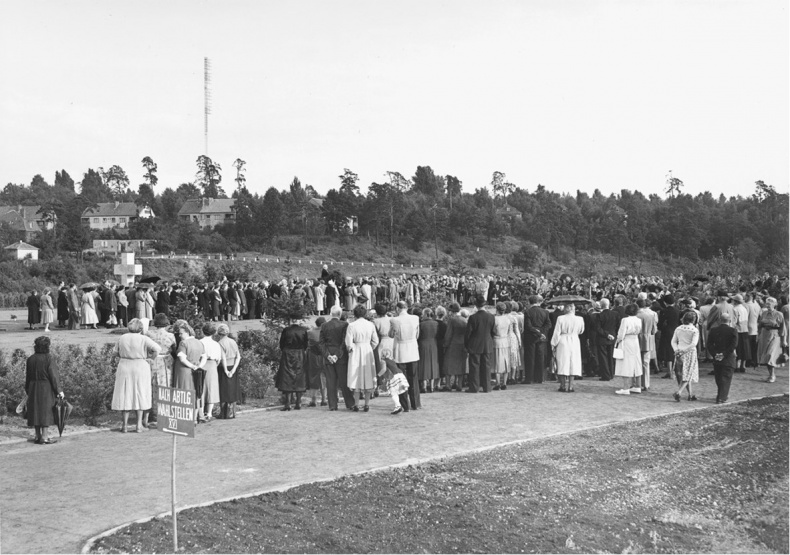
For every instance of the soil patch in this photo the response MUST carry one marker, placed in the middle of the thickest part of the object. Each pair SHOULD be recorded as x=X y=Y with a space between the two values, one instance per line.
x=713 y=480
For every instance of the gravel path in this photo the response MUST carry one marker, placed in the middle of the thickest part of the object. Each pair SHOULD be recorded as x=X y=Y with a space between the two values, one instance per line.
x=55 y=497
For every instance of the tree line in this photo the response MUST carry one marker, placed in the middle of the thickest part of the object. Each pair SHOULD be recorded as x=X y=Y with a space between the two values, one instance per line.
x=424 y=208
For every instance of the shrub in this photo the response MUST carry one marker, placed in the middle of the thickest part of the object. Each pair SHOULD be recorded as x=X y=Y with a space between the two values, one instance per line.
x=12 y=377
x=480 y=263
x=87 y=378
x=260 y=356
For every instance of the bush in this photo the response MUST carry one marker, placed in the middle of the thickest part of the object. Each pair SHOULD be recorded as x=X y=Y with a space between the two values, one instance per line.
x=260 y=356
x=480 y=263
x=12 y=377
x=87 y=378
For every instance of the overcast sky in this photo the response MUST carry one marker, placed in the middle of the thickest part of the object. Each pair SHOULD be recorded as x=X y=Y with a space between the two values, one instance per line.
x=571 y=94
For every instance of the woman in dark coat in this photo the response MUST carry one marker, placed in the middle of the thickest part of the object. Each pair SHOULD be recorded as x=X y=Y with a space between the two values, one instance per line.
x=428 y=365
x=33 y=310
x=41 y=384
x=291 y=376
x=63 y=308
x=668 y=321
x=314 y=364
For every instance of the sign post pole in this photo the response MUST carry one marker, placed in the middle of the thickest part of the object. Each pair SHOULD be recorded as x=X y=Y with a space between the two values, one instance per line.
x=173 y=496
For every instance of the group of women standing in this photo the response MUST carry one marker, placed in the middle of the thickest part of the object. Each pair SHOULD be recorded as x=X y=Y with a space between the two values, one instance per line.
x=160 y=358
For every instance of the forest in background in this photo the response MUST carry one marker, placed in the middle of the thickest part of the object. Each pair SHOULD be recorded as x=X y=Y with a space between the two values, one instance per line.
x=427 y=218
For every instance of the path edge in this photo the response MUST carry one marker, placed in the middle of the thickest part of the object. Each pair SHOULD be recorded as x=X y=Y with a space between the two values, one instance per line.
x=409 y=462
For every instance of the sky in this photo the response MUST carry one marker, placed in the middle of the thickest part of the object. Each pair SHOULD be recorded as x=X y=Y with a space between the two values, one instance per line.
x=571 y=94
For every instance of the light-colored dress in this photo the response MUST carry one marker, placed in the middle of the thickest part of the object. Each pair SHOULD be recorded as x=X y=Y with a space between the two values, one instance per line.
x=503 y=324
x=382 y=326
x=133 y=377
x=88 y=310
x=361 y=340
x=516 y=331
x=47 y=309
x=630 y=366
x=685 y=340
x=565 y=341
x=319 y=297
x=771 y=326
x=211 y=381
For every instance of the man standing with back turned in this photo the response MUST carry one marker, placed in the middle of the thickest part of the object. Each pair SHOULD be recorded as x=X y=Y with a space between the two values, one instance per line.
x=479 y=343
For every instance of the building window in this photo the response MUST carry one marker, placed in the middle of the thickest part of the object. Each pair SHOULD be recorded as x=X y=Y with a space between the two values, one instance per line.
x=104 y=220
x=113 y=220
x=122 y=220
x=95 y=220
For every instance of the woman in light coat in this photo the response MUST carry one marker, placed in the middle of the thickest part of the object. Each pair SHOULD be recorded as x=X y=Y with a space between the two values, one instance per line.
x=361 y=342
x=567 y=347
x=503 y=325
x=88 y=310
x=630 y=366
x=47 y=309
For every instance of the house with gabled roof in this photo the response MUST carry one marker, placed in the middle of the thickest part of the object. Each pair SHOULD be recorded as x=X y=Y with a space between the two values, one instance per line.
x=23 y=250
x=25 y=219
x=208 y=212
x=107 y=215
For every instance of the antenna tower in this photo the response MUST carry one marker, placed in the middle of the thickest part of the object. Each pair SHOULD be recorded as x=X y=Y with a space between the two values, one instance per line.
x=206 y=97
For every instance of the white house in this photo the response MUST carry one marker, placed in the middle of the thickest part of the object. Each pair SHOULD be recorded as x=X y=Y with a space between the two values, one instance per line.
x=107 y=215
x=208 y=212
x=23 y=250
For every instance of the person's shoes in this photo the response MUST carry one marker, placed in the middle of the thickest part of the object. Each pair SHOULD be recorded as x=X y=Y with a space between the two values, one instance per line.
x=635 y=390
x=644 y=388
x=504 y=387
x=571 y=390
x=666 y=377
x=324 y=403
x=604 y=379
x=297 y=407
x=38 y=441
x=422 y=391
x=311 y=404
x=48 y=441
x=692 y=397
x=469 y=391
x=623 y=392
x=676 y=396
x=366 y=408
x=355 y=409
x=445 y=389
x=496 y=387
x=562 y=389
x=772 y=379
x=285 y=408
x=397 y=410
x=333 y=409
x=712 y=373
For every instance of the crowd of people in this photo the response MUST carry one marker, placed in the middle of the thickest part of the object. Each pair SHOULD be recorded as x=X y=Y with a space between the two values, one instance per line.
x=390 y=335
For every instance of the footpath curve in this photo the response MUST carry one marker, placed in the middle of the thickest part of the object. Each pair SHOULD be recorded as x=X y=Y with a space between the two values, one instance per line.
x=56 y=497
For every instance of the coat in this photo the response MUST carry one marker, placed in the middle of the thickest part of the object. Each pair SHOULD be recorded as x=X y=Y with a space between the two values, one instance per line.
x=647 y=337
x=42 y=386
x=293 y=347
x=567 y=346
x=405 y=329
x=361 y=341
x=455 y=357
x=479 y=335
x=428 y=365
x=628 y=338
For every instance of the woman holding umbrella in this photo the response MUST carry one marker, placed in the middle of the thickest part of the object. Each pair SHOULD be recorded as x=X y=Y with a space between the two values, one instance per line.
x=42 y=386
x=133 y=378
x=190 y=357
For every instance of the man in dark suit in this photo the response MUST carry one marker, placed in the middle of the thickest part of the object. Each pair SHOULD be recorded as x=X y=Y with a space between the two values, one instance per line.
x=332 y=340
x=162 y=301
x=536 y=333
x=479 y=343
x=607 y=324
x=722 y=342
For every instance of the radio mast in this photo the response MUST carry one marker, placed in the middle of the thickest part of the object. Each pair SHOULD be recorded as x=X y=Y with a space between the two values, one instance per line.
x=206 y=98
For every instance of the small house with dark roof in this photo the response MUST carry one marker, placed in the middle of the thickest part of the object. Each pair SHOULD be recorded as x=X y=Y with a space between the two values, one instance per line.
x=208 y=212
x=23 y=250
x=108 y=215
x=25 y=220
x=508 y=213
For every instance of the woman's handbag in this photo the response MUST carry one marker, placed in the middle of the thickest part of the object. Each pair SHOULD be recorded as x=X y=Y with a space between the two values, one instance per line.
x=618 y=353
x=21 y=408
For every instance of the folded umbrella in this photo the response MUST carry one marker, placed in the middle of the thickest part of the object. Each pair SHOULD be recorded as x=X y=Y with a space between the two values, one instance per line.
x=152 y=279
x=61 y=411
x=568 y=299
x=89 y=285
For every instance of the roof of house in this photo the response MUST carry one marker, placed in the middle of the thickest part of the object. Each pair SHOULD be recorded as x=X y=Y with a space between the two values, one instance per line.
x=105 y=209
x=21 y=245
x=21 y=217
x=207 y=206
x=508 y=209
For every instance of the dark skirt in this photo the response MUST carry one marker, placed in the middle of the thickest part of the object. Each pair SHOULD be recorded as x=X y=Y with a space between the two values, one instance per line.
x=291 y=375
x=744 y=349
x=229 y=390
x=40 y=401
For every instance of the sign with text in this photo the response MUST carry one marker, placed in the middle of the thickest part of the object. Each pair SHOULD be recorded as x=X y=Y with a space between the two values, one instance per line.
x=175 y=411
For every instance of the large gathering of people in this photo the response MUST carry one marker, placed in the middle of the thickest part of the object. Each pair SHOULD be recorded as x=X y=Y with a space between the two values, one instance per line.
x=408 y=336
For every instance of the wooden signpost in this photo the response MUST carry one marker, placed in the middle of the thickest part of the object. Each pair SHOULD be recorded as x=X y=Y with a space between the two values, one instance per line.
x=175 y=415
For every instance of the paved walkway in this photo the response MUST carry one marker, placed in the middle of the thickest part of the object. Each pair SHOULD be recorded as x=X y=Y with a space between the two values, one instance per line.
x=53 y=498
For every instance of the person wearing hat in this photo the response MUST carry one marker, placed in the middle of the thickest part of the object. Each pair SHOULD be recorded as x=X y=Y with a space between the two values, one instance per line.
x=741 y=324
x=229 y=391
x=162 y=364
